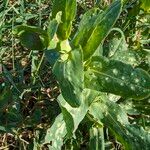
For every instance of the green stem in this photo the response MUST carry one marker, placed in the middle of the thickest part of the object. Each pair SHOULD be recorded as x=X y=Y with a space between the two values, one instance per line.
x=38 y=68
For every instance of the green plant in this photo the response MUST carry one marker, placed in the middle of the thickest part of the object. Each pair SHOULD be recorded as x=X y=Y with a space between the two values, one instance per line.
x=87 y=74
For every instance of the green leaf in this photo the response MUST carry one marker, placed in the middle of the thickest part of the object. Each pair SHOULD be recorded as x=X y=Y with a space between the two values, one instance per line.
x=117 y=49
x=68 y=9
x=143 y=57
x=97 y=139
x=114 y=117
x=7 y=129
x=8 y=75
x=111 y=115
x=51 y=52
x=71 y=115
x=31 y=41
x=141 y=138
x=2 y=128
x=118 y=78
x=85 y=27
x=51 y=55
x=13 y=114
x=69 y=72
x=99 y=51
x=94 y=27
x=21 y=28
x=55 y=134
x=145 y=4
x=53 y=26
x=67 y=123
x=5 y=99
x=134 y=107
x=32 y=38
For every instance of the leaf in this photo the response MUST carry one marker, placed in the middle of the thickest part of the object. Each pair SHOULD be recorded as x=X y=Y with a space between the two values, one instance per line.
x=117 y=49
x=99 y=51
x=143 y=57
x=21 y=28
x=51 y=55
x=128 y=57
x=68 y=9
x=113 y=116
x=94 y=27
x=5 y=99
x=71 y=115
x=140 y=136
x=145 y=4
x=85 y=27
x=31 y=41
x=7 y=129
x=134 y=107
x=13 y=114
x=96 y=139
x=51 y=52
x=32 y=38
x=69 y=72
x=8 y=75
x=102 y=107
x=56 y=133
x=53 y=26
x=2 y=128
x=117 y=78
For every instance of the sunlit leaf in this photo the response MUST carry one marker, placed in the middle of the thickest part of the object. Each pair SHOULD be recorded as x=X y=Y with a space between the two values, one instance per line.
x=71 y=115
x=117 y=49
x=69 y=72
x=115 y=118
x=94 y=27
x=55 y=134
x=118 y=78
x=97 y=139
x=145 y=4
x=68 y=10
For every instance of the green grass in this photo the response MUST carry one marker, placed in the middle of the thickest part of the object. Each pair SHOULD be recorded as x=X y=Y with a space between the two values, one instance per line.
x=28 y=107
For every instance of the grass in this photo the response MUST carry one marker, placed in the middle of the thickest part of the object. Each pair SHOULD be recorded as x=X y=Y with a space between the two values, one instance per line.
x=29 y=106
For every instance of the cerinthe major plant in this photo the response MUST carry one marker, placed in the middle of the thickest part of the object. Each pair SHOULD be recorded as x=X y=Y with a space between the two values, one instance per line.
x=86 y=75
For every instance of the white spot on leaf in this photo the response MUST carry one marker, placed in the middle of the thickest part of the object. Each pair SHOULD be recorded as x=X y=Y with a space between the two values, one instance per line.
x=115 y=71
x=137 y=80
x=132 y=87
x=123 y=77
